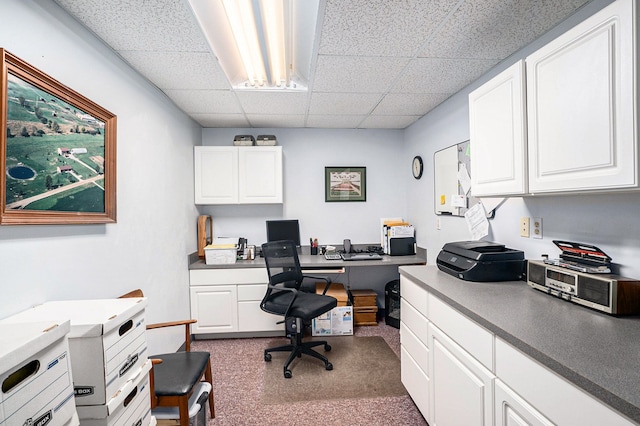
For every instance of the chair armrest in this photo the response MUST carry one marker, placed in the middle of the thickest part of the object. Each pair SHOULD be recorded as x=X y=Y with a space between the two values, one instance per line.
x=326 y=280
x=187 y=329
x=282 y=287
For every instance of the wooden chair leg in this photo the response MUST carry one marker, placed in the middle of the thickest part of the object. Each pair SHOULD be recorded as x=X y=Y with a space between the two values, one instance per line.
x=208 y=377
x=183 y=408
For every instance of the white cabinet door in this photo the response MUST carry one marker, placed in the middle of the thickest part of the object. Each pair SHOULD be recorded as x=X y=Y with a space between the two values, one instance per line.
x=581 y=92
x=512 y=410
x=216 y=174
x=461 y=389
x=215 y=307
x=250 y=316
x=498 y=134
x=260 y=175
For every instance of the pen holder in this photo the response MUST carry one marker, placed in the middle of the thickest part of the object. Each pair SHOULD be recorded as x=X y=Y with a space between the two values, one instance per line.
x=314 y=250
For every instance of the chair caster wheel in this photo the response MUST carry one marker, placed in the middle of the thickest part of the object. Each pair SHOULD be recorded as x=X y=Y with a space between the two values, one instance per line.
x=287 y=374
x=329 y=366
x=327 y=347
x=267 y=357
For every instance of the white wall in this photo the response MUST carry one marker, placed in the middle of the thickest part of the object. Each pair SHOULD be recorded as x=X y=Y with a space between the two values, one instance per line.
x=608 y=221
x=147 y=248
x=306 y=153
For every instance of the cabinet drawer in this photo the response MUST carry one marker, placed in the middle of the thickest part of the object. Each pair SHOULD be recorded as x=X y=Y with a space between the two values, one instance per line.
x=414 y=321
x=415 y=381
x=251 y=292
x=228 y=276
x=549 y=393
x=414 y=294
x=473 y=338
x=418 y=350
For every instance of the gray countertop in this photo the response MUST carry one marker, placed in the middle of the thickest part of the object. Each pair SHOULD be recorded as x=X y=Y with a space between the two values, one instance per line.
x=315 y=261
x=595 y=351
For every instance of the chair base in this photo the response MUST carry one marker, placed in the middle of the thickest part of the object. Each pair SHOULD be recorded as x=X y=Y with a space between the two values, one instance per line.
x=296 y=349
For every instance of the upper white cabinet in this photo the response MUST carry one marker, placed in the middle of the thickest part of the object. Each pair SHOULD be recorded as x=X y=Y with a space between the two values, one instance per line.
x=498 y=134
x=577 y=132
x=238 y=175
x=581 y=106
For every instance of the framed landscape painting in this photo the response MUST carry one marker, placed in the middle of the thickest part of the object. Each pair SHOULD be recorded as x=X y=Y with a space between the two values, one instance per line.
x=345 y=184
x=58 y=151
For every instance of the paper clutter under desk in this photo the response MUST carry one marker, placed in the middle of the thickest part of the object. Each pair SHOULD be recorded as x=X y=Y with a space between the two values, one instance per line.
x=220 y=254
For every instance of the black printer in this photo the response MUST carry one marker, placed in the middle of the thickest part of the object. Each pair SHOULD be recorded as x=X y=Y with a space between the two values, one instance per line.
x=481 y=261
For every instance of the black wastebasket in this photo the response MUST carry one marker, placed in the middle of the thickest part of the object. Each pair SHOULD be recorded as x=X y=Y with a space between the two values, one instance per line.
x=392 y=303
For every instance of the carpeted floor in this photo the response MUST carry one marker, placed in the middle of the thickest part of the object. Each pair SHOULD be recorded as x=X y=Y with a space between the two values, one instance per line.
x=239 y=374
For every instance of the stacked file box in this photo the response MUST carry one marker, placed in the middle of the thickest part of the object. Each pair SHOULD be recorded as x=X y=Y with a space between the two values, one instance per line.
x=35 y=373
x=109 y=359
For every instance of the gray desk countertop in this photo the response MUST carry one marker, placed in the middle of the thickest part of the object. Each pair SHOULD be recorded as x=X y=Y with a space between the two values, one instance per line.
x=315 y=261
x=595 y=351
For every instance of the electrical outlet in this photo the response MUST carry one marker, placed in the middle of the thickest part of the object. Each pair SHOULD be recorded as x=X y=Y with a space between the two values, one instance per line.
x=524 y=227
x=537 y=227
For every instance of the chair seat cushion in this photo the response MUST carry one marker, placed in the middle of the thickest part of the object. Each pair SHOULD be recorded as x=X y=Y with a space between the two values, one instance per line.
x=306 y=305
x=178 y=372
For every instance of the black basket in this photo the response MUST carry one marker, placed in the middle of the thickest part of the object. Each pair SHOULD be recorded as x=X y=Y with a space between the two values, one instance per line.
x=392 y=303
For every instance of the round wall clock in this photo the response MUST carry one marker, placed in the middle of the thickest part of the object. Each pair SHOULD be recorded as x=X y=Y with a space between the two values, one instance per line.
x=417 y=167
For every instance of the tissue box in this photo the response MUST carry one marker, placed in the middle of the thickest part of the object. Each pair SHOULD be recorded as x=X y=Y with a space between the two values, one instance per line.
x=106 y=341
x=35 y=372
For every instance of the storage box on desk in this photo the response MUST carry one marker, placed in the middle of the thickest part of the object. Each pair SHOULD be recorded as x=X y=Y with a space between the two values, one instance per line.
x=35 y=373
x=220 y=254
x=106 y=341
x=130 y=405
x=365 y=307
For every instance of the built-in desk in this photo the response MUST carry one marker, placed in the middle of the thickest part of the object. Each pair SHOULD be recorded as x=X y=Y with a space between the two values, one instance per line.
x=225 y=299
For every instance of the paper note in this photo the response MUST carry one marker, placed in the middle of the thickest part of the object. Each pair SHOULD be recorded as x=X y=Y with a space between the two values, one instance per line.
x=477 y=221
x=464 y=178
x=458 y=201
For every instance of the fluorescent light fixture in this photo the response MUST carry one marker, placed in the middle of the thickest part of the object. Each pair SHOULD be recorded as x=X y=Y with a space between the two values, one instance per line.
x=256 y=41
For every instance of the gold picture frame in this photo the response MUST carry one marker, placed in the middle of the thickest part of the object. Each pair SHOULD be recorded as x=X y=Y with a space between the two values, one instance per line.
x=58 y=151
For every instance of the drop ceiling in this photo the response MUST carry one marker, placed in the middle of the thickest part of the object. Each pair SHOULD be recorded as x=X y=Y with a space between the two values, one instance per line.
x=376 y=64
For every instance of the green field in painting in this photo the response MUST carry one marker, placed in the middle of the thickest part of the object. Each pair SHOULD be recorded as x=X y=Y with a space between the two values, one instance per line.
x=38 y=124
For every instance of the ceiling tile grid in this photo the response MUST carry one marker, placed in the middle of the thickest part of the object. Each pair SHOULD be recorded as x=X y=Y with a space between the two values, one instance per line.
x=377 y=63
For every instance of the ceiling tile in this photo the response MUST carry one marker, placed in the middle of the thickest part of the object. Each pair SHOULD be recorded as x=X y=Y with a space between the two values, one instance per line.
x=494 y=29
x=376 y=28
x=388 y=121
x=409 y=103
x=277 y=120
x=140 y=25
x=205 y=101
x=425 y=75
x=343 y=103
x=178 y=70
x=272 y=102
x=221 y=120
x=335 y=121
x=356 y=74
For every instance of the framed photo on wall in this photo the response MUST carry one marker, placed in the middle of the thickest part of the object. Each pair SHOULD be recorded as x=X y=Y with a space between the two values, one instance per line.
x=58 y=151
x=345 y=184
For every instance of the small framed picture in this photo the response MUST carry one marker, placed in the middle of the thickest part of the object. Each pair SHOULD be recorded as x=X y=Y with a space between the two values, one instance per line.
x=345 y=184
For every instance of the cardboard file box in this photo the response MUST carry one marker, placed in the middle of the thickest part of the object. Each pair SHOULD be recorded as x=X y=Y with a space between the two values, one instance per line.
x=335 y=290
x=198 y=406
x=365 y=307
x=35 y=373
x=131 y=404
x=106 y=341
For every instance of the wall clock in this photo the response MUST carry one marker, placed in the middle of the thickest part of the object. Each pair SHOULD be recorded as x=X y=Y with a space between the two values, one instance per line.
x=417 y=167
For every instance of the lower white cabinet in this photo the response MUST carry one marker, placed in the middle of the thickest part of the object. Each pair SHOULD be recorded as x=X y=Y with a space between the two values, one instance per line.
x=228 y=301
x=512 y=410
x=461 y=388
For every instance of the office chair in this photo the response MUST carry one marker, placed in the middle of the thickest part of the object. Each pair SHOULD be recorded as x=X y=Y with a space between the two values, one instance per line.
x=284 y=297
x=175 y=375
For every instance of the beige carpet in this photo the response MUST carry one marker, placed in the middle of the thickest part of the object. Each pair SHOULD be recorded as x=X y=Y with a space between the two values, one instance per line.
x=363 y=367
